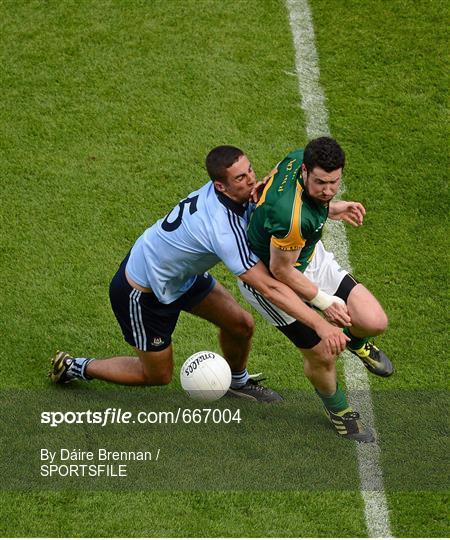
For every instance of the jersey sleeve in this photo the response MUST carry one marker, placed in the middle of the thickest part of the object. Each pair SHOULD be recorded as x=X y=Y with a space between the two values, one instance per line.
x=232 y=246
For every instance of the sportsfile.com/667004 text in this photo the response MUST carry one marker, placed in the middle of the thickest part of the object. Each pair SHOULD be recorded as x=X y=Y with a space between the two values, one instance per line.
x=112 y=415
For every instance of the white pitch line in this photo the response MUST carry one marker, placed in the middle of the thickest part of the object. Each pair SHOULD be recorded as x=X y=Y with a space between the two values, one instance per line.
x=357 y=382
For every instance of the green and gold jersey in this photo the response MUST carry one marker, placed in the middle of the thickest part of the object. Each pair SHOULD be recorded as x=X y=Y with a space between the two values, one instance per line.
x=286 y=216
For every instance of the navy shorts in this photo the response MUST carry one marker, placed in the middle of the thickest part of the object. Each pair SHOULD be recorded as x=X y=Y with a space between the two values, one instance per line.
x=146 y=323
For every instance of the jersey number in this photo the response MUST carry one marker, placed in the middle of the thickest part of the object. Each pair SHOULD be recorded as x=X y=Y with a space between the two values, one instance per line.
x=172 y=225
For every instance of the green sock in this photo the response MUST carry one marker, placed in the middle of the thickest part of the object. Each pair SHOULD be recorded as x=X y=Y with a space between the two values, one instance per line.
x=355 y=343
x=336 y=402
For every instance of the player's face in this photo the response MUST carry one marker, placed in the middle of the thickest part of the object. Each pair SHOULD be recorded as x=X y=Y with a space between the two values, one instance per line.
x=321 y=186
x=240 y=180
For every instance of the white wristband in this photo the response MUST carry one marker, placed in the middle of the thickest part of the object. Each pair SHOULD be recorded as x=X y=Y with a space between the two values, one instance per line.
x=323 y=301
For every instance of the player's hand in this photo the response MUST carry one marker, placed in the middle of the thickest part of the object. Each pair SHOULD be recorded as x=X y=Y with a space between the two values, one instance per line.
x=256 y=192
x=351 y=212
x=338 y=313
x=333 y=337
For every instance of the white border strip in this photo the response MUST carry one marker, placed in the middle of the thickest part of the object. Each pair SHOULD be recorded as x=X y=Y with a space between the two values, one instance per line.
x=357 y=382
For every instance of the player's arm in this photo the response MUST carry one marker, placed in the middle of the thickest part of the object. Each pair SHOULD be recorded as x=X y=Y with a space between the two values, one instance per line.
x=282 y=268
x=349 y=211
x=286 y=299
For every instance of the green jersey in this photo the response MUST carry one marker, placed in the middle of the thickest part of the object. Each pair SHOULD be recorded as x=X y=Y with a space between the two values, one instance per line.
x=286 y=216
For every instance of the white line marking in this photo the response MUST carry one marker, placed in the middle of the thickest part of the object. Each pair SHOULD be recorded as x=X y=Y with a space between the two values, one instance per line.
x=357 y=382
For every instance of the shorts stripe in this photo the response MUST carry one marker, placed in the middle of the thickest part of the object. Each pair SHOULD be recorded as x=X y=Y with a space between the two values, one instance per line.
x=141 y=323
x=132 y=319
x=267 y=307
x=137 y=324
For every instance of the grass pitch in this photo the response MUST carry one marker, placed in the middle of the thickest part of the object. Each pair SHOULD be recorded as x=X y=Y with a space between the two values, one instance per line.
x=108 y=109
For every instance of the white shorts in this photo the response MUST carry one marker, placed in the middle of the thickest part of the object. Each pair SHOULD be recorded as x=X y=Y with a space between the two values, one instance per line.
x=323 y=270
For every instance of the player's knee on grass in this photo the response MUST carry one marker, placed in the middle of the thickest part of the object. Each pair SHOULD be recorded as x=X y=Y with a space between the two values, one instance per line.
x=157 y=367
x=156 y=378
x=160 y=379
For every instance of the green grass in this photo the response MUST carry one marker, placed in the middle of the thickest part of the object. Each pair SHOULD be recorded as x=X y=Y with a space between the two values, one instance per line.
x=181 y=514
x=387 y=96
x=387 y=93
x=108 y=109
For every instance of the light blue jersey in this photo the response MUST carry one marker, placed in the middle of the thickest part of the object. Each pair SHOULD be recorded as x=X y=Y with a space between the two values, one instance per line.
x=203 y=229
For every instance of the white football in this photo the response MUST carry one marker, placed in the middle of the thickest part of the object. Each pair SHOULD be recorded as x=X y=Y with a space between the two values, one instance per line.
x=205 y=376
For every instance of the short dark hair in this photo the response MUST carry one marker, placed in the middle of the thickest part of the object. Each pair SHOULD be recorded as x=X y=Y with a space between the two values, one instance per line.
x=220 y=159
x=325 y=153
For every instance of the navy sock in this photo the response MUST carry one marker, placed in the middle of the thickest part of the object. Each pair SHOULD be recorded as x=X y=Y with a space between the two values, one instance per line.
x=239 y=378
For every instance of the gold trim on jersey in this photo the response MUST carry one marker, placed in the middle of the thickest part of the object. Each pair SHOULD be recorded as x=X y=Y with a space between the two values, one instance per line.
x=293 y=240
x=262 y=200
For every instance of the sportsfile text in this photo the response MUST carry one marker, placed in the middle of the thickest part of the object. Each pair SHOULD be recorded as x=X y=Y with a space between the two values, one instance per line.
x=112 y=415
